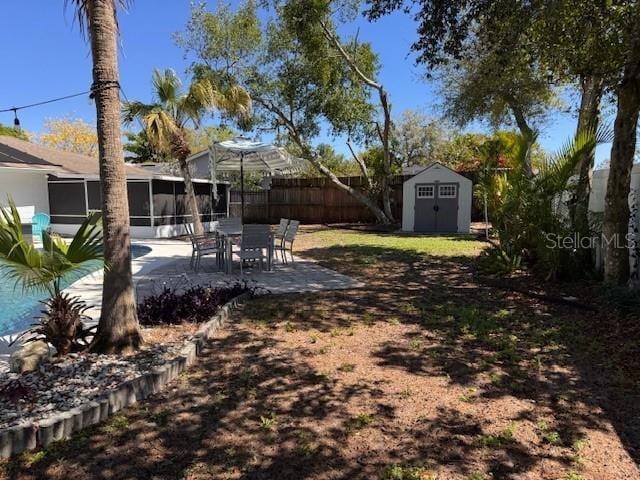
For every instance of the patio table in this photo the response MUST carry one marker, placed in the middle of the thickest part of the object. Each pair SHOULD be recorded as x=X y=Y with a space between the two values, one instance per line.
x=230 y=236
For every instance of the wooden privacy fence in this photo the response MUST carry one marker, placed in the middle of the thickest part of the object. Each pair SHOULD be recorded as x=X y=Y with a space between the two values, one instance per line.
x=311 y=200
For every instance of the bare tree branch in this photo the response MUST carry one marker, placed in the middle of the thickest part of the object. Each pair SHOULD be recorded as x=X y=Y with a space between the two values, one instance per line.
x=309 y=154
x=361 y=164
x=385 y=132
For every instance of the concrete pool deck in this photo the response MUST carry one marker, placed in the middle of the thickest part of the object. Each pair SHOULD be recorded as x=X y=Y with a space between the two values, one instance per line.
x=167 y=264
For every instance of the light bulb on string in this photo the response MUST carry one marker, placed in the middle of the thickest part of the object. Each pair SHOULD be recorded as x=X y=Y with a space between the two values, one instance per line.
x=16 y=120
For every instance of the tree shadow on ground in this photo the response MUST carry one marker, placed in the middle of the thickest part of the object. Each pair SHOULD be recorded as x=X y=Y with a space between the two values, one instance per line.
x=504 y=342
x=262 y=407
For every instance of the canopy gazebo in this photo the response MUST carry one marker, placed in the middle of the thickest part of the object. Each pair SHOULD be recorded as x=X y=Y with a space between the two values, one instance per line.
x=242 y=154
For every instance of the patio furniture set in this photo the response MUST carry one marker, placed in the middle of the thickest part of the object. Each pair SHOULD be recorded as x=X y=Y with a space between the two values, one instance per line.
x=254 y=243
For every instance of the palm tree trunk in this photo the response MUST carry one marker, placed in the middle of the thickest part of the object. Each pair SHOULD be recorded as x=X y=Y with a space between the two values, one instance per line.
x=181 y=151
x=118 y=329
x=616 y=209
x=192 y=203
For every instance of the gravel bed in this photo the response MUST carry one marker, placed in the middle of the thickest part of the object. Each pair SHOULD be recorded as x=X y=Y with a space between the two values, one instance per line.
x=68 y=382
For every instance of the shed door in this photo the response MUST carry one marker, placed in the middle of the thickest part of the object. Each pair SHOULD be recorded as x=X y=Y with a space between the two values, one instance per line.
x=436 y=208
x=447 y=200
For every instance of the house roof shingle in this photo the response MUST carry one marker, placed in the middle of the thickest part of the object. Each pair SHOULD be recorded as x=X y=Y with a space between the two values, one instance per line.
x=16 y=153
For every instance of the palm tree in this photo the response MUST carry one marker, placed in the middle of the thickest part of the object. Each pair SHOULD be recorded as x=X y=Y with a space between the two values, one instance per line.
x=118 y=329
x=46 y=269
x=165 y=121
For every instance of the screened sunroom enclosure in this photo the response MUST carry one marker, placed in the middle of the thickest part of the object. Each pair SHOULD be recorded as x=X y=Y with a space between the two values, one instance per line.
x=157 y=206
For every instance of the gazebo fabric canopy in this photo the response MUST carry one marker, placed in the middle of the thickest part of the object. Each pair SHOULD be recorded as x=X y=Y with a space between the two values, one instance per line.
x=241 y=154
x=231 y=155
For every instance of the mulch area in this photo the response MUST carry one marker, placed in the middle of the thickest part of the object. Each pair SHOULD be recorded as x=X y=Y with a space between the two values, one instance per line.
x=425 y=373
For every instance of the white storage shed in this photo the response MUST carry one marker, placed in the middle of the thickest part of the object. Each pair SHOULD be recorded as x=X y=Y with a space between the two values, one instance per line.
x=437 y=200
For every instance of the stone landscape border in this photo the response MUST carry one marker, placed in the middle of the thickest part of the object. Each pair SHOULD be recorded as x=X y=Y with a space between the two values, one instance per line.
x=61 y=425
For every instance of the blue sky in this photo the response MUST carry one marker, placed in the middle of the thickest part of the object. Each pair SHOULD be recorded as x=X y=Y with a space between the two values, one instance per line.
x=45 y=56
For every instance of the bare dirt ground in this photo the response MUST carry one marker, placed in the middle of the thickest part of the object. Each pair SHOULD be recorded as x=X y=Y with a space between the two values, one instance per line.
x=425 y=373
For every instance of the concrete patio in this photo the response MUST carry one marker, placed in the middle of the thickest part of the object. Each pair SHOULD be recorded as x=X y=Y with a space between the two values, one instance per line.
x=300 y=276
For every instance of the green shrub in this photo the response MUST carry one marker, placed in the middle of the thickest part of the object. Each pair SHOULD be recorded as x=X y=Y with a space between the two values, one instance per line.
x=529 y=215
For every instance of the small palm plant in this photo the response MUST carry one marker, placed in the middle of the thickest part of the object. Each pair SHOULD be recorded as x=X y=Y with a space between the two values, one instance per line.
x=529 y=214
x=46 y=270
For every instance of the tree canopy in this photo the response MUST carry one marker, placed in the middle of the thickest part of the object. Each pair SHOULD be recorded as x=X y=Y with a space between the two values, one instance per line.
x=13 y=132
x=302 y=76
x=70 y=134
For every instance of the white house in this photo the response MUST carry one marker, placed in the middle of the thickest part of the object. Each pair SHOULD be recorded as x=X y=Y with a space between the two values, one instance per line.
x=66 y=186
x=437 y=200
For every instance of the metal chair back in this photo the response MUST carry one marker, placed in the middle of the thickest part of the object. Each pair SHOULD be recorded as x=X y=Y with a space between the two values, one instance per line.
x=189 y=229
x=290 y=234
x=255 y=236
x=282 y=228
x=230 y=222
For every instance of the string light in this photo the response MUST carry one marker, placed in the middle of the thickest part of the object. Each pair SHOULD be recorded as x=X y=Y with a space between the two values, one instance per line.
x=44 y=102
x=16 y=120
x=91 y=93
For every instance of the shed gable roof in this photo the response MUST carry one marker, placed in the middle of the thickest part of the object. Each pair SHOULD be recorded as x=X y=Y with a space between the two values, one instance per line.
x=436 y=166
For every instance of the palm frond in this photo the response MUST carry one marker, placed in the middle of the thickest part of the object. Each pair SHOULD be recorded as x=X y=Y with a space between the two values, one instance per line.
x=81 y=8
x=160 y=127
x=202 y=95
x=44 y=269
x=86 y=244
x=237 y=101
x=166 y=86
x=555 y=174
x=133 y=110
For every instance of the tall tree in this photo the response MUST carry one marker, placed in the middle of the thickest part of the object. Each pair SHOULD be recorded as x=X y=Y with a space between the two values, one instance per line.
x=70 y=134
x=118 y=329
x=418 y=139
x=298 y=79
x=166 y=120
x=502 y=86
x=597 y=41
x=616 y=209
x=313 y=22
x=574 y=46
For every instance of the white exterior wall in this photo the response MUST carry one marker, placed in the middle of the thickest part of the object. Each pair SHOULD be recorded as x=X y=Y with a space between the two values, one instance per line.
x=438 y=174
x=597 y=198
x=28 y=190
x=599 y=187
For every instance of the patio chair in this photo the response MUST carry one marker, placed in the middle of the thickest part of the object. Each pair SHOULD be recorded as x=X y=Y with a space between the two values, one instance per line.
x=255 y=242
x=230 y=222
x=289 y=237
x=278 y=235
x=202 y=245
x=39 y=224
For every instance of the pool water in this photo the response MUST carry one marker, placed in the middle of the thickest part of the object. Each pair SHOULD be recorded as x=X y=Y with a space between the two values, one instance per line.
x=19 y=309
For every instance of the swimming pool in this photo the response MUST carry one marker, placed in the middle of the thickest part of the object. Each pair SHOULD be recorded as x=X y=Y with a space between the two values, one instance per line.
x=18 y=308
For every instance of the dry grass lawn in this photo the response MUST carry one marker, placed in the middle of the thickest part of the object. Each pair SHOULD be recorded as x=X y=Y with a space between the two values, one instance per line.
x=426 y=373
